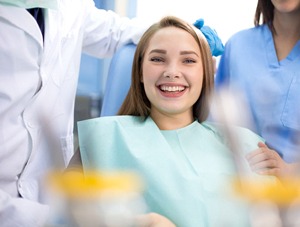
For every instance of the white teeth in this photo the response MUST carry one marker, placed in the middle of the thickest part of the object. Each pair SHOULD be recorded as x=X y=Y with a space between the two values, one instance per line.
x=171 y=88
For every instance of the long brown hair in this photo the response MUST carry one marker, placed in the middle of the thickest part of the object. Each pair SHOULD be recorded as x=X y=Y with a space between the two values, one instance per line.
x=136 y=102
x=264 y=14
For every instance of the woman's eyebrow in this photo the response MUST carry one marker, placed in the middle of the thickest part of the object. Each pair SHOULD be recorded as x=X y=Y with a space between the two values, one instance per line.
x=158 y=51
x=161 y=51
x=188 y=52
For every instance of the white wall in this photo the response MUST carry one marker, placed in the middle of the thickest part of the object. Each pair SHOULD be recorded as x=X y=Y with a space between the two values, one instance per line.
x=225 y=16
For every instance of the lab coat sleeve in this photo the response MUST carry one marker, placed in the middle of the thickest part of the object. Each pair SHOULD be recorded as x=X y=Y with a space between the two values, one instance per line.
x=19 y=212
x=105 y=31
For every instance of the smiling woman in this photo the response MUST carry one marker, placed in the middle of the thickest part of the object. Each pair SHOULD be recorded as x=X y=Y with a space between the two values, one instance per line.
x=171 y=55
x=172 y=74
x=162 y=135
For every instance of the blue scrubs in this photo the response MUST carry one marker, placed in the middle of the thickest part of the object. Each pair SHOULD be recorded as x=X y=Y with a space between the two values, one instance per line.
x=187 y=172
x=271 y=88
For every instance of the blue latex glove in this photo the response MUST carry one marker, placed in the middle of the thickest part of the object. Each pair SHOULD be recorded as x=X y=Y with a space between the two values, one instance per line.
x=214 y=41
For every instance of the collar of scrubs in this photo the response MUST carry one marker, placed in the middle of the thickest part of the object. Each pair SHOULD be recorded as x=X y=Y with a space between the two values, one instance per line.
x=271 y=50
x=27 y=4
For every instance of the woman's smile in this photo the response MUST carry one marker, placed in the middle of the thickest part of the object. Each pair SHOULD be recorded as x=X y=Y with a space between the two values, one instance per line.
x=172 y=90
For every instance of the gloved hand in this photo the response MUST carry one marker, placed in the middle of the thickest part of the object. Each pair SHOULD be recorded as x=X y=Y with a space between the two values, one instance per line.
x=214 y=41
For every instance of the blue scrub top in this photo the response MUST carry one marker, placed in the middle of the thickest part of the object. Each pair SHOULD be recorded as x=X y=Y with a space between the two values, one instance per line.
x=270 y=87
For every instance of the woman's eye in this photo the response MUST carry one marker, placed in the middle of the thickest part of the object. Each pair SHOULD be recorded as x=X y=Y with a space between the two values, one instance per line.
x=156 y=59
x=190 y=61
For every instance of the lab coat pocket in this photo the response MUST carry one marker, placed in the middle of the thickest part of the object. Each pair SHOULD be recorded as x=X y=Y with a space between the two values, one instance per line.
x=68 y=59
x=291 y=112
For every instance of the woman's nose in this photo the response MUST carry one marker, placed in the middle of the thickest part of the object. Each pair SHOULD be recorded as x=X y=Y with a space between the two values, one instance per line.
x=171 y=74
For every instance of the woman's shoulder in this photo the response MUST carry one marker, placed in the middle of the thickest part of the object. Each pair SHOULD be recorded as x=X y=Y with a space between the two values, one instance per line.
x=248 y=35
x=237 y=132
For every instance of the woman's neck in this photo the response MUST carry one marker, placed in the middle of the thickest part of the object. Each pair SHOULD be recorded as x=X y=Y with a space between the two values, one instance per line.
x=287 y=32
x=172 y=122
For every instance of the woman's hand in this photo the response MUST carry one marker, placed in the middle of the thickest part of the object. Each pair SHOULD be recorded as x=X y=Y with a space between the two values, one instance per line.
x=266 y=161
x=154 y=220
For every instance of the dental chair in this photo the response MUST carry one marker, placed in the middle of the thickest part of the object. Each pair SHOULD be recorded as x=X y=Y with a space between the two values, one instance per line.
x=118 y=80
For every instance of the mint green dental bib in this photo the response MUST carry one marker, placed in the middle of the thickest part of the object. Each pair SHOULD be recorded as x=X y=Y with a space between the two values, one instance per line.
x=27 y=4
x=187 y=172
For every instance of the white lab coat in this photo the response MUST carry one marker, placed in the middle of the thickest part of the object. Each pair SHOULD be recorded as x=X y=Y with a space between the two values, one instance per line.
x=37 y=91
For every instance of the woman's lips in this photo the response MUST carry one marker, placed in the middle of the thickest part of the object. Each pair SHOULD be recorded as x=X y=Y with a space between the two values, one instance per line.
x=172 y=90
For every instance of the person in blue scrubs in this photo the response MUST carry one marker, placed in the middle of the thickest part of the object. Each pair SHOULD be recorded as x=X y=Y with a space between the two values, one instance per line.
x=162 y=132
x=263 y=63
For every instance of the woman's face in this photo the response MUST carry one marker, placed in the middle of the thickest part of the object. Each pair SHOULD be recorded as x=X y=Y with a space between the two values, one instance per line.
x=172 y=72
x=287 y=6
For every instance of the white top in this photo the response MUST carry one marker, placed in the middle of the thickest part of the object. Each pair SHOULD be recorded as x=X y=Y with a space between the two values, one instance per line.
x=37 y=93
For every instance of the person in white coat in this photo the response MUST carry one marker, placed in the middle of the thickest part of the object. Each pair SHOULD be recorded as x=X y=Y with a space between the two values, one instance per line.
x=38 y=80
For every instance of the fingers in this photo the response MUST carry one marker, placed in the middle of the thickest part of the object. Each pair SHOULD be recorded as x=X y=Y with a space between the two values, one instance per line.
x=260 y=165
x=270 y=172
x=261 y=145
x=154 y=220
x=264 y=160
x=261 y=154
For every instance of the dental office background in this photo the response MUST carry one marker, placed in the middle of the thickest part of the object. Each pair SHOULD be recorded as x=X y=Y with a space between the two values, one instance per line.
x=225 y=16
